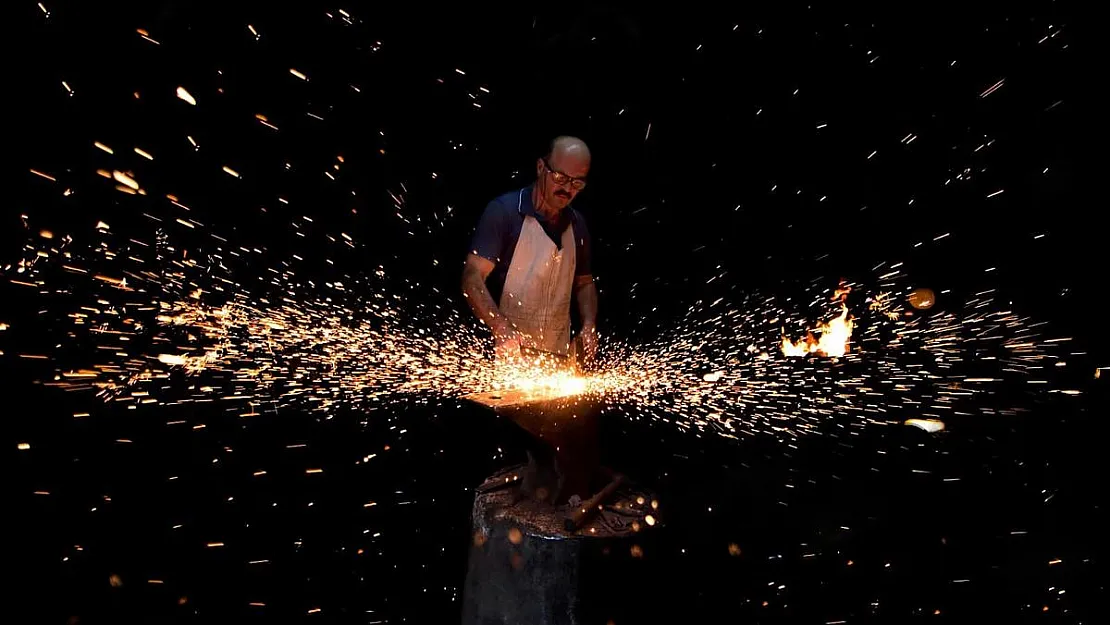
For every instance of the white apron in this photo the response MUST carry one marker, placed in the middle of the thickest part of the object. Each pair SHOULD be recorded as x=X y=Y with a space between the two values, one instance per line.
x=538 y=286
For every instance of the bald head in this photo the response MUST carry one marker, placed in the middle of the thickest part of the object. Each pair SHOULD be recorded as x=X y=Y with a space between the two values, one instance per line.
x=569 y=147
x=562 y=173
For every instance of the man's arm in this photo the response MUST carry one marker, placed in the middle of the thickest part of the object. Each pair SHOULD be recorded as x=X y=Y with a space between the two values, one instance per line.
x=475 y=272
x=585 y=291
x=506 y=340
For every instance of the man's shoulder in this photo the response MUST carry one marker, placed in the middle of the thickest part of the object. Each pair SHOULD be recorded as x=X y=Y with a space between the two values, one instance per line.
x=576 y=216
x=507 y=201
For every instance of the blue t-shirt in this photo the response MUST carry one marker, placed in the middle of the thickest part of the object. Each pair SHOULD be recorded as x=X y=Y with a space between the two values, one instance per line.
x=499 y=228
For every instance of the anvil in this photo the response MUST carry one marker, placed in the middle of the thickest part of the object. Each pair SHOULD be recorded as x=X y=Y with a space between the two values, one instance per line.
x=565 y=459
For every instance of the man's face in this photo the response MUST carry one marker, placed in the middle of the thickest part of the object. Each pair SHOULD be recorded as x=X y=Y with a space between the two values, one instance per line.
x=561 y=176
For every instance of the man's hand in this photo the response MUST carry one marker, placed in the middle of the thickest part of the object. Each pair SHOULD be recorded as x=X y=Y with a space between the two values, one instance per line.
x=586 y=293
x=587 y=338
x=506 y=340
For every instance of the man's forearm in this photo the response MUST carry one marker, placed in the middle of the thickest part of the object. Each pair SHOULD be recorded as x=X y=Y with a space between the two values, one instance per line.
x=481 y=302
x=586 y=294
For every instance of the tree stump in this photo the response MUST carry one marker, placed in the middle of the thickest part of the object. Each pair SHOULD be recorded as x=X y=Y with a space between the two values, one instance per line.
x=525 y=567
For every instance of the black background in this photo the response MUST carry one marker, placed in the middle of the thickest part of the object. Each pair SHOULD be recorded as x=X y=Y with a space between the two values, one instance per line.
x=735 y=174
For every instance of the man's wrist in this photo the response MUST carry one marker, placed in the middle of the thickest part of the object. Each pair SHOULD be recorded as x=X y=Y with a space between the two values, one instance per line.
x=500 y=324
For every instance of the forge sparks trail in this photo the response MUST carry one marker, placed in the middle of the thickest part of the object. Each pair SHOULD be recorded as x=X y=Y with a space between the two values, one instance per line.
x=392 y=315
x=167 y=330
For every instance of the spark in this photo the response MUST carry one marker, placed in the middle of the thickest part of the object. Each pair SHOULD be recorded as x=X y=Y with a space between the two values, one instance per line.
x=385 y=359
x=995 y=87
x=145 y=35
x=182 y=94
x=125 y=180
x=265 y=122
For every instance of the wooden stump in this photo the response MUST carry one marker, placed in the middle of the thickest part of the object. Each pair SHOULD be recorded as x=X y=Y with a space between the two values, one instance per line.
x=525 y=567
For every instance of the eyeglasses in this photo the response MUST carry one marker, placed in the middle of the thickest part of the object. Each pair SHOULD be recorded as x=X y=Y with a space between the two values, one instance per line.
x=560 y=178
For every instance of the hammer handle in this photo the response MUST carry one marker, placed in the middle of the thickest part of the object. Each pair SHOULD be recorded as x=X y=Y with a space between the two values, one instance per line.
x=584 y=511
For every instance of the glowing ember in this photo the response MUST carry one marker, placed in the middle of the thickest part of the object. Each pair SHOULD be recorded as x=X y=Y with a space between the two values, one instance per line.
x=922 y=299
x=171 y=359
x=929 y=425
x=186 y=96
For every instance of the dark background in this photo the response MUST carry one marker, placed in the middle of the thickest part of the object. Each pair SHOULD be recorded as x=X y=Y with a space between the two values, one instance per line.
x=737 y=174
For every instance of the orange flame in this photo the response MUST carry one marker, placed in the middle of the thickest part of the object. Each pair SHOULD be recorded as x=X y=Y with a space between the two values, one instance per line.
x=835 y=335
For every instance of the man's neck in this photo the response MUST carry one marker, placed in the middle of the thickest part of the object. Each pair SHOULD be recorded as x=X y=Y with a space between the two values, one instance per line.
x=548 y=213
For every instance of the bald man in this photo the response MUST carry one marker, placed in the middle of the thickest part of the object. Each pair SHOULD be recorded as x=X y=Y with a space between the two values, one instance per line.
x=529 y=257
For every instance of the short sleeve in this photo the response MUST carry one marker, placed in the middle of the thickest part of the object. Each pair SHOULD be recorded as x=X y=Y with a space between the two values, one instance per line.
x=489 y=236
x=581 y=248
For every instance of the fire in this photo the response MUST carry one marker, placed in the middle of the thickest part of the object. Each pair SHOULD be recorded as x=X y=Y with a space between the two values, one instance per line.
x=835 y=337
